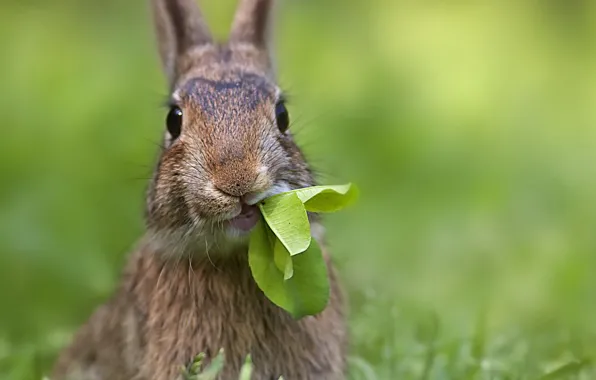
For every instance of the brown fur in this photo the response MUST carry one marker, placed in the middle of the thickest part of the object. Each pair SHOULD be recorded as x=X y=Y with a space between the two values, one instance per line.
x=187 y=287
x=167 y=312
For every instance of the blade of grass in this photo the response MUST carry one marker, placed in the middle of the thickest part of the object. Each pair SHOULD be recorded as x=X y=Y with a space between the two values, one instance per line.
x=566 y=370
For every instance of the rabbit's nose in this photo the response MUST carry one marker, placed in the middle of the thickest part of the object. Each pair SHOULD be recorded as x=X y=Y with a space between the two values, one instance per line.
x=235 y=179
x=235 y=189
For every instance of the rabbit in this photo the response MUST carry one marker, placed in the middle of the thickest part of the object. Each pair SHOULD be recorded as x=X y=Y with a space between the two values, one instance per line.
x=187 y=286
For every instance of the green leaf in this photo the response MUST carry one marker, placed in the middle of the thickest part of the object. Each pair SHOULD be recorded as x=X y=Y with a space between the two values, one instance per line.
x=264 y=270
x=306 y=292
x=283 y=259
x=286 y=263
x=326 y=198
x=287 y=218
x=309 y=286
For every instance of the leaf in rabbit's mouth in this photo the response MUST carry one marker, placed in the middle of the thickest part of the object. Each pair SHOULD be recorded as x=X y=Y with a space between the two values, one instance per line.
x=286 y=262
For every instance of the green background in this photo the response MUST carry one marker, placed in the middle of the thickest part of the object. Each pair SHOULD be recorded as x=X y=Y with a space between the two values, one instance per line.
x=469 y=127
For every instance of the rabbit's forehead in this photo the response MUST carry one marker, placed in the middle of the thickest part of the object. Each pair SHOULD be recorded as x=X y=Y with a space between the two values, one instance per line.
x=231 y=94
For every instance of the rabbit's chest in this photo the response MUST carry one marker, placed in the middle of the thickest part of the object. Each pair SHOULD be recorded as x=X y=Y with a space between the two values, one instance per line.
x=202 y=310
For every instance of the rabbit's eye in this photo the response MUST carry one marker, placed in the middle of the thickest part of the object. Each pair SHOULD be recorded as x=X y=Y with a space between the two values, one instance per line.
x=174 y=122
x=282 y=116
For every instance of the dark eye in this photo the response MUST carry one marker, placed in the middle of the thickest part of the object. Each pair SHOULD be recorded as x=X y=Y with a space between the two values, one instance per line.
x=174 y=122
x=282 y=116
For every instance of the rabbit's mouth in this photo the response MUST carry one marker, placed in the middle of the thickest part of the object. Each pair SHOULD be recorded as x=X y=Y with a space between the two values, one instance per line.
x=246 y=219
x=248 y=216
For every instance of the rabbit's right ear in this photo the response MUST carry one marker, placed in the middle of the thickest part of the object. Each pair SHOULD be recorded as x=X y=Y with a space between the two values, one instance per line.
x=179 y=27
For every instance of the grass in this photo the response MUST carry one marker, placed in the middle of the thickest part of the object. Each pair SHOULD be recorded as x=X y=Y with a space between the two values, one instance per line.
x=468 y=127
x=545 y=354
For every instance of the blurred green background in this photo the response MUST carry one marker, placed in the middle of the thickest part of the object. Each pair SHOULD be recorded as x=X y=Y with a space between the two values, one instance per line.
x=470 y=127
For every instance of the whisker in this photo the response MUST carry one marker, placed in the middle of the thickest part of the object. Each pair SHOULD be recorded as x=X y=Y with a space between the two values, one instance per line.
x=161 y=273
x=190 y=270
x=209 y=257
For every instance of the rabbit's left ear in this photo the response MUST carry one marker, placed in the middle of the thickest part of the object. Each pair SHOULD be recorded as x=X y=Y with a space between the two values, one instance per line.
x=252 y=23
x=179 y=27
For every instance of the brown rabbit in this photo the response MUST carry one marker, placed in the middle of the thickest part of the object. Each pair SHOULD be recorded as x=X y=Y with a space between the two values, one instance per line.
x=187 y=288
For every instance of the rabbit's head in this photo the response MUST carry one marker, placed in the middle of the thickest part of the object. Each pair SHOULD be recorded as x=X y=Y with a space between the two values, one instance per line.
x=227 y=144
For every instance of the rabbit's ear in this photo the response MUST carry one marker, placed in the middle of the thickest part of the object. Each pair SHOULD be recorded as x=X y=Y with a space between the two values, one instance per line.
x=251 y=23
x=179 y=26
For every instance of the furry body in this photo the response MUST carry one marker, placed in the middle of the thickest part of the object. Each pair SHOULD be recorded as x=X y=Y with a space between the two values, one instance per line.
x=165 y=313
